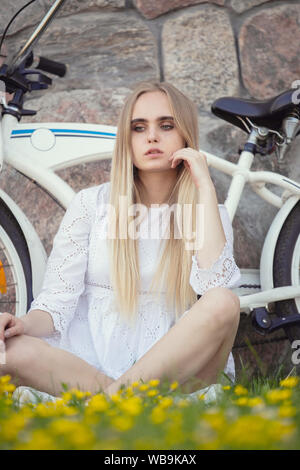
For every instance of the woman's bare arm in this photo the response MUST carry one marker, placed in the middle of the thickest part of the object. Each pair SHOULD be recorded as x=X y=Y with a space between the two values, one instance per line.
x=38 y=323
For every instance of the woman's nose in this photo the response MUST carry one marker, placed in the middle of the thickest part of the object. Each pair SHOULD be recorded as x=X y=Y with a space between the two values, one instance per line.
x=152 y=135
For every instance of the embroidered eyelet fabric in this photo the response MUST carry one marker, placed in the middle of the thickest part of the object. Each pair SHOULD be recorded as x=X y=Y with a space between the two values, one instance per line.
x=77 y=292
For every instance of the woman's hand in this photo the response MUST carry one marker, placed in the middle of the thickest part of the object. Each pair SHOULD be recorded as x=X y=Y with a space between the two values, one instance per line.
x=10 y=326
x=196 y=162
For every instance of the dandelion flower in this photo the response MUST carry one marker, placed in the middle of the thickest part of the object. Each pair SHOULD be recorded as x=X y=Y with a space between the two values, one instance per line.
x=240 y=390
x=289 y=382
x=174 y=385
x=154 y=382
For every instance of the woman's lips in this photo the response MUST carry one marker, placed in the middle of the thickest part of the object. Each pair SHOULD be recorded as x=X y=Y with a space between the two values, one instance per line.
x=154 y=153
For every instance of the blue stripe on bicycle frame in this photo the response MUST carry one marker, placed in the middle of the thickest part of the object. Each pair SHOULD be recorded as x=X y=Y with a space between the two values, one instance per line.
x=65 y=133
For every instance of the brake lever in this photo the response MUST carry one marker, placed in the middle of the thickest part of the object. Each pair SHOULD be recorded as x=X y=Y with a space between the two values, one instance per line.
x=42 y=82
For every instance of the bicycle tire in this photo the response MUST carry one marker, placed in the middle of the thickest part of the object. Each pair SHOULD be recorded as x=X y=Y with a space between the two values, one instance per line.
x=15 y=265
x=286 y=252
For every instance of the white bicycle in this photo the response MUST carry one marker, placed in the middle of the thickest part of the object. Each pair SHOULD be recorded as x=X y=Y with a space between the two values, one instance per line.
x=271 y=294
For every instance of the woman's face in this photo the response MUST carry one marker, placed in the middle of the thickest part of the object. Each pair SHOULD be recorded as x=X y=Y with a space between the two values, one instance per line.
x=154 y=136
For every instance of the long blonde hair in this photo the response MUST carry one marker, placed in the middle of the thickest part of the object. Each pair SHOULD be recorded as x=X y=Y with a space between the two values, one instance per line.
x=175 y=264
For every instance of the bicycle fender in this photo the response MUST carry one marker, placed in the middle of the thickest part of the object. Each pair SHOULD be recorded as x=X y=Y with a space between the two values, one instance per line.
x=267 y=254
x=37 y=252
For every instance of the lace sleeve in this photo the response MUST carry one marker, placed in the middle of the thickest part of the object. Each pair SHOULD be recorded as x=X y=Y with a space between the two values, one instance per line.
x=65 y=271
x=224 y=271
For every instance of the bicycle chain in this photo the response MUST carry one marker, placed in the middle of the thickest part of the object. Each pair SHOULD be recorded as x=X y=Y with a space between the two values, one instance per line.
x=250 y=286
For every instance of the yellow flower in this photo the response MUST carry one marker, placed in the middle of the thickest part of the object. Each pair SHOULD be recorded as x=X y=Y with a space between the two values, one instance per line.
x=255 y=401
x=27 y=411
x=286 y=411
x=277 y=395
x=12 y=426
x=152 y=393
x=201 y=396
x=165 y=402
x=174 y=385
x=135 y=384
x=63 y=426
x=5 y=386
x=245 y=401
x=5 y=379
x=69 y=411
x=59 y=402
x=129 y=391
x=154 y=382
x=143 y=387
x=240 y=390
x=67 y=396
x=122 y=423
x=132 y=406
x=79 y=394
x=158 y=415
x=289 y=382
x=242 y=401
x=255 y=432
x=226 y=387
x=98 y=403
x=116 y=398
x=215 y=419
x=75 y=433
x=9 y=388
x=45 y=411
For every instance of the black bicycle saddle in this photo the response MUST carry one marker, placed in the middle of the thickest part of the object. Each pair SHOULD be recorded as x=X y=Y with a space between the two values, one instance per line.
x=267 y=113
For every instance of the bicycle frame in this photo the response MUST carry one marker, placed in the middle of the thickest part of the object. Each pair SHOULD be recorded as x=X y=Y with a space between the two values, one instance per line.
x=38 y=150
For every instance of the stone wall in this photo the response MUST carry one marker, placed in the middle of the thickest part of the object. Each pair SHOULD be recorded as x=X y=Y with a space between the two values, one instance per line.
x=246 y=48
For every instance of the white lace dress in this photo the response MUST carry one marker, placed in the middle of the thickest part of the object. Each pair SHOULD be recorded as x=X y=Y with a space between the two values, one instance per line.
x=76 y=290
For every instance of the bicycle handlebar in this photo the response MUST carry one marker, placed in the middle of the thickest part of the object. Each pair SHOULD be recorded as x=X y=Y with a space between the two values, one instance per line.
x=17 y=59
x=51 y=66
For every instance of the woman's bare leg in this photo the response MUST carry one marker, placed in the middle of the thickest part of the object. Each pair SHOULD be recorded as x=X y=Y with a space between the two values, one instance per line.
x=212 y=372
x=34 y=363
x=197 y=344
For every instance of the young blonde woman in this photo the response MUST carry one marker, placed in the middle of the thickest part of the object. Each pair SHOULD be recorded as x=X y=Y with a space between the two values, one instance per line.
x=118 y=305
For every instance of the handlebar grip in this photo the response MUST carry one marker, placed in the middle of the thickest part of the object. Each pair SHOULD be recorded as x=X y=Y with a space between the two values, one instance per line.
x=56 y=68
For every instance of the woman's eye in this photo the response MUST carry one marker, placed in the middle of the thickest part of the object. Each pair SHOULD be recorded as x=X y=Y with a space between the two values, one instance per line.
x=167 y=127
x=138 y=128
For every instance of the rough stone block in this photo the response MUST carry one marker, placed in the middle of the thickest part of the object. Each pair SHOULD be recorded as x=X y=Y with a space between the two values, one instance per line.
x=199 y=55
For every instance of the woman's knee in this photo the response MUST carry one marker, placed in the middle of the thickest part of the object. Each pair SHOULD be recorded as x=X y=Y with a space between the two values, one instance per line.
x=223 y=303
x=22 y=350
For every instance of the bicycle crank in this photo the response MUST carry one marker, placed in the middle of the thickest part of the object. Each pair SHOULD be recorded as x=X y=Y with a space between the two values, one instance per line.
x=264 y=324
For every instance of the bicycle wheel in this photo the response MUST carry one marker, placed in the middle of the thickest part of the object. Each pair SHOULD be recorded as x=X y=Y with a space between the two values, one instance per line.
x=15 y=266
x=286 y=268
